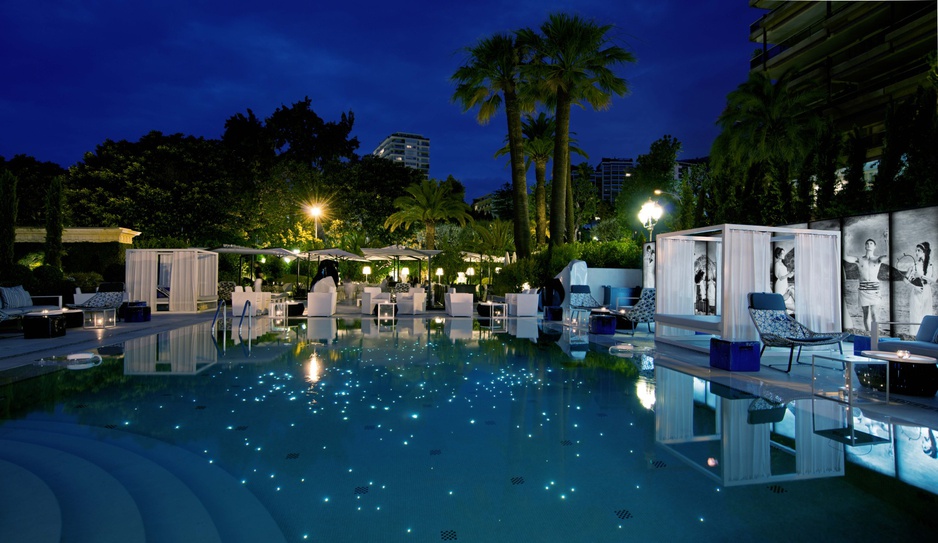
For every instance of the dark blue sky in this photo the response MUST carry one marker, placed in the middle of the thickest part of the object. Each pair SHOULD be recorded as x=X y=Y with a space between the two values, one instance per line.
x=77 y=72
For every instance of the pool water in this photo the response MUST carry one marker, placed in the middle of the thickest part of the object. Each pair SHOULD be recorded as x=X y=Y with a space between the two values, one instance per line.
x=335 y=430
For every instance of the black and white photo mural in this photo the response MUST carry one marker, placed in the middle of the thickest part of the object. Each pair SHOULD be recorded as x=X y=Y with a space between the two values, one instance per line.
x=782 y=272
x=866 y=271
x=705 y=278
x=648 y=265
x=914 y=235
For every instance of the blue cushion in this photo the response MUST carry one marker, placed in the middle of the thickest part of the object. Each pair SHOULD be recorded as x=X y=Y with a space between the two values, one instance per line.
x=928 y=331
x=766 y=300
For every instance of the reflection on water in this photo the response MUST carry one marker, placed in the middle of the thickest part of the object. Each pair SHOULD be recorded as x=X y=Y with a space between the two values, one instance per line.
x=359 y=430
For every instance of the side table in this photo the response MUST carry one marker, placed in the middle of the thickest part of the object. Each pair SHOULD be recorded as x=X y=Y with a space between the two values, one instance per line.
x=40 y=325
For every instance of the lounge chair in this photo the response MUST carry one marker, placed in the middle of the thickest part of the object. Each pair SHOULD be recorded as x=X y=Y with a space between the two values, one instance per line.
x=642 y=311
x=778 y=329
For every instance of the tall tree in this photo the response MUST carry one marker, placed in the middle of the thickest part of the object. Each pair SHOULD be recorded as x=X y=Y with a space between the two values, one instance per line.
x=55 y=202
x=488 y=79
x=300 y=134
x=8 y=212
x=429 y=203
x=539 y=133
x=768 y=126
x=573 y=61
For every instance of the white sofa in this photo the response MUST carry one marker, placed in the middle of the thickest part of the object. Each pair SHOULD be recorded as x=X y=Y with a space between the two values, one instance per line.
x=458 y=304
x=522 y=304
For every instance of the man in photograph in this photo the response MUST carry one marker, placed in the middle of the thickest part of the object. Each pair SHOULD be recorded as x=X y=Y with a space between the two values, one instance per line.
x=868 y=293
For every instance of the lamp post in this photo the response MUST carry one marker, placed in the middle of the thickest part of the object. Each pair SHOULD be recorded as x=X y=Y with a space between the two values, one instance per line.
x=470 y=272
x=439 y=280
x=367 y=271
x=316 y=212
x=649 y=215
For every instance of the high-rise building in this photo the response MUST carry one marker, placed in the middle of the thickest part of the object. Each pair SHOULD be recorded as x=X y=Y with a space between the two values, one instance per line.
x=864 y=55
x=411 y=150
x=610 y=176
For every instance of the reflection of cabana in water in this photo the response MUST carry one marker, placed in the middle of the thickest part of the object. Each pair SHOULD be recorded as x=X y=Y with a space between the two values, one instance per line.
x=174 y=280
x=740 y=450
x=184 y=351
x=744 y=259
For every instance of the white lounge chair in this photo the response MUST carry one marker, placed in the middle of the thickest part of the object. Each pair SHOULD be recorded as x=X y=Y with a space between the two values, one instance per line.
x=458 y=304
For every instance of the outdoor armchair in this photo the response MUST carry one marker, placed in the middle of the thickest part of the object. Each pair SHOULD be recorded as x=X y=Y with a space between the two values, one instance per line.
x=522 y=304
x=458 y=304
x=412 y=302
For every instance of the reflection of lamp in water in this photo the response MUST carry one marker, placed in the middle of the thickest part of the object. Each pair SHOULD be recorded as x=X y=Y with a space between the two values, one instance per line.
x=314 y=371
x=367 y=271
x=645 y=390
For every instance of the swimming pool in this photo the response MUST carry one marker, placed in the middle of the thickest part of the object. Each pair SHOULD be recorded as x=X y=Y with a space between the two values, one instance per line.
x=336 y=430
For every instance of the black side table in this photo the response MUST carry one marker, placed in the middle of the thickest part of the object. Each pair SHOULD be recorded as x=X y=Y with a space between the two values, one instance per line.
x=43 y=325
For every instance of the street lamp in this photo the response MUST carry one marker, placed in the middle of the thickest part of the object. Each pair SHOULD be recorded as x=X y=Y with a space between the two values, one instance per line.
x=649 y=215
x=316 y=212
x=367 y=271
x=470 y=272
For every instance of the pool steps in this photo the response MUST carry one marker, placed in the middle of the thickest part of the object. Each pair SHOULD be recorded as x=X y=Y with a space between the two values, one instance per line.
x=129 y=488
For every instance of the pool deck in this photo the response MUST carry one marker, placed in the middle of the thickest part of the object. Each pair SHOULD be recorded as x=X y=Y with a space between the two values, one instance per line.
x=15 y=351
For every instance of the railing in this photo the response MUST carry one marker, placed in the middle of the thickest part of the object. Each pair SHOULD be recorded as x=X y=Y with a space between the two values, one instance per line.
x=224 y=316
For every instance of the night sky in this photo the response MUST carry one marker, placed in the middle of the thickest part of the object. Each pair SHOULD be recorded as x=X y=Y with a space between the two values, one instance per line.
x=78 y=72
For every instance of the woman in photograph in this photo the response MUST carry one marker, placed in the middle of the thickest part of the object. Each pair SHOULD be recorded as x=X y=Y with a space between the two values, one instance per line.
x=781 y=279
x=920 y=277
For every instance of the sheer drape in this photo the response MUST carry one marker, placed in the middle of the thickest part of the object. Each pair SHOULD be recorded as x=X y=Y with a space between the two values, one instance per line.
x=208 y=276
x=746 y=260
x=814 y=454
x=817 y=281
x=674 y=406
x=745 y=446
x=184 y=281
x=678 y=255
x=140 y=276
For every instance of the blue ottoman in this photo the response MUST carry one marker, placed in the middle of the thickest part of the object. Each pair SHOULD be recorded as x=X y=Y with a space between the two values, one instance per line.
x=734 y=355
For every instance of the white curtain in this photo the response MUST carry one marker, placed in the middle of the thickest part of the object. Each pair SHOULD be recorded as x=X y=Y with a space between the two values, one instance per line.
x=814 y=454
x=674 y=279
x=817 y=281
x=140 y=276
x=746 y=260
x=674 y=405
x=184 y=282
x=746 y=448
x=208 y=275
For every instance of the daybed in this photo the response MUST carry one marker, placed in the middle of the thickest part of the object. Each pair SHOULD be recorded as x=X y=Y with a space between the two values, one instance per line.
x=743 y=256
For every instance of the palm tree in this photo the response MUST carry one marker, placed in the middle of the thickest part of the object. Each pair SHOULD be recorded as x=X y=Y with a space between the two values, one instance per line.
x=572 y=64
x=767 y=127
x=490 y=77
x=430 y=203
x=538 y=145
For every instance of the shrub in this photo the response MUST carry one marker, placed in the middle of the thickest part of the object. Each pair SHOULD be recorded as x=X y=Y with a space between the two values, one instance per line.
x=48 y=280
x=86 y=281
x=18 y=274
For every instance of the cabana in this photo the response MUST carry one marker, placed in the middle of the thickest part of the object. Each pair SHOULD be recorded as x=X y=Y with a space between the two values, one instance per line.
x=173 y=280
x=744 y=260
